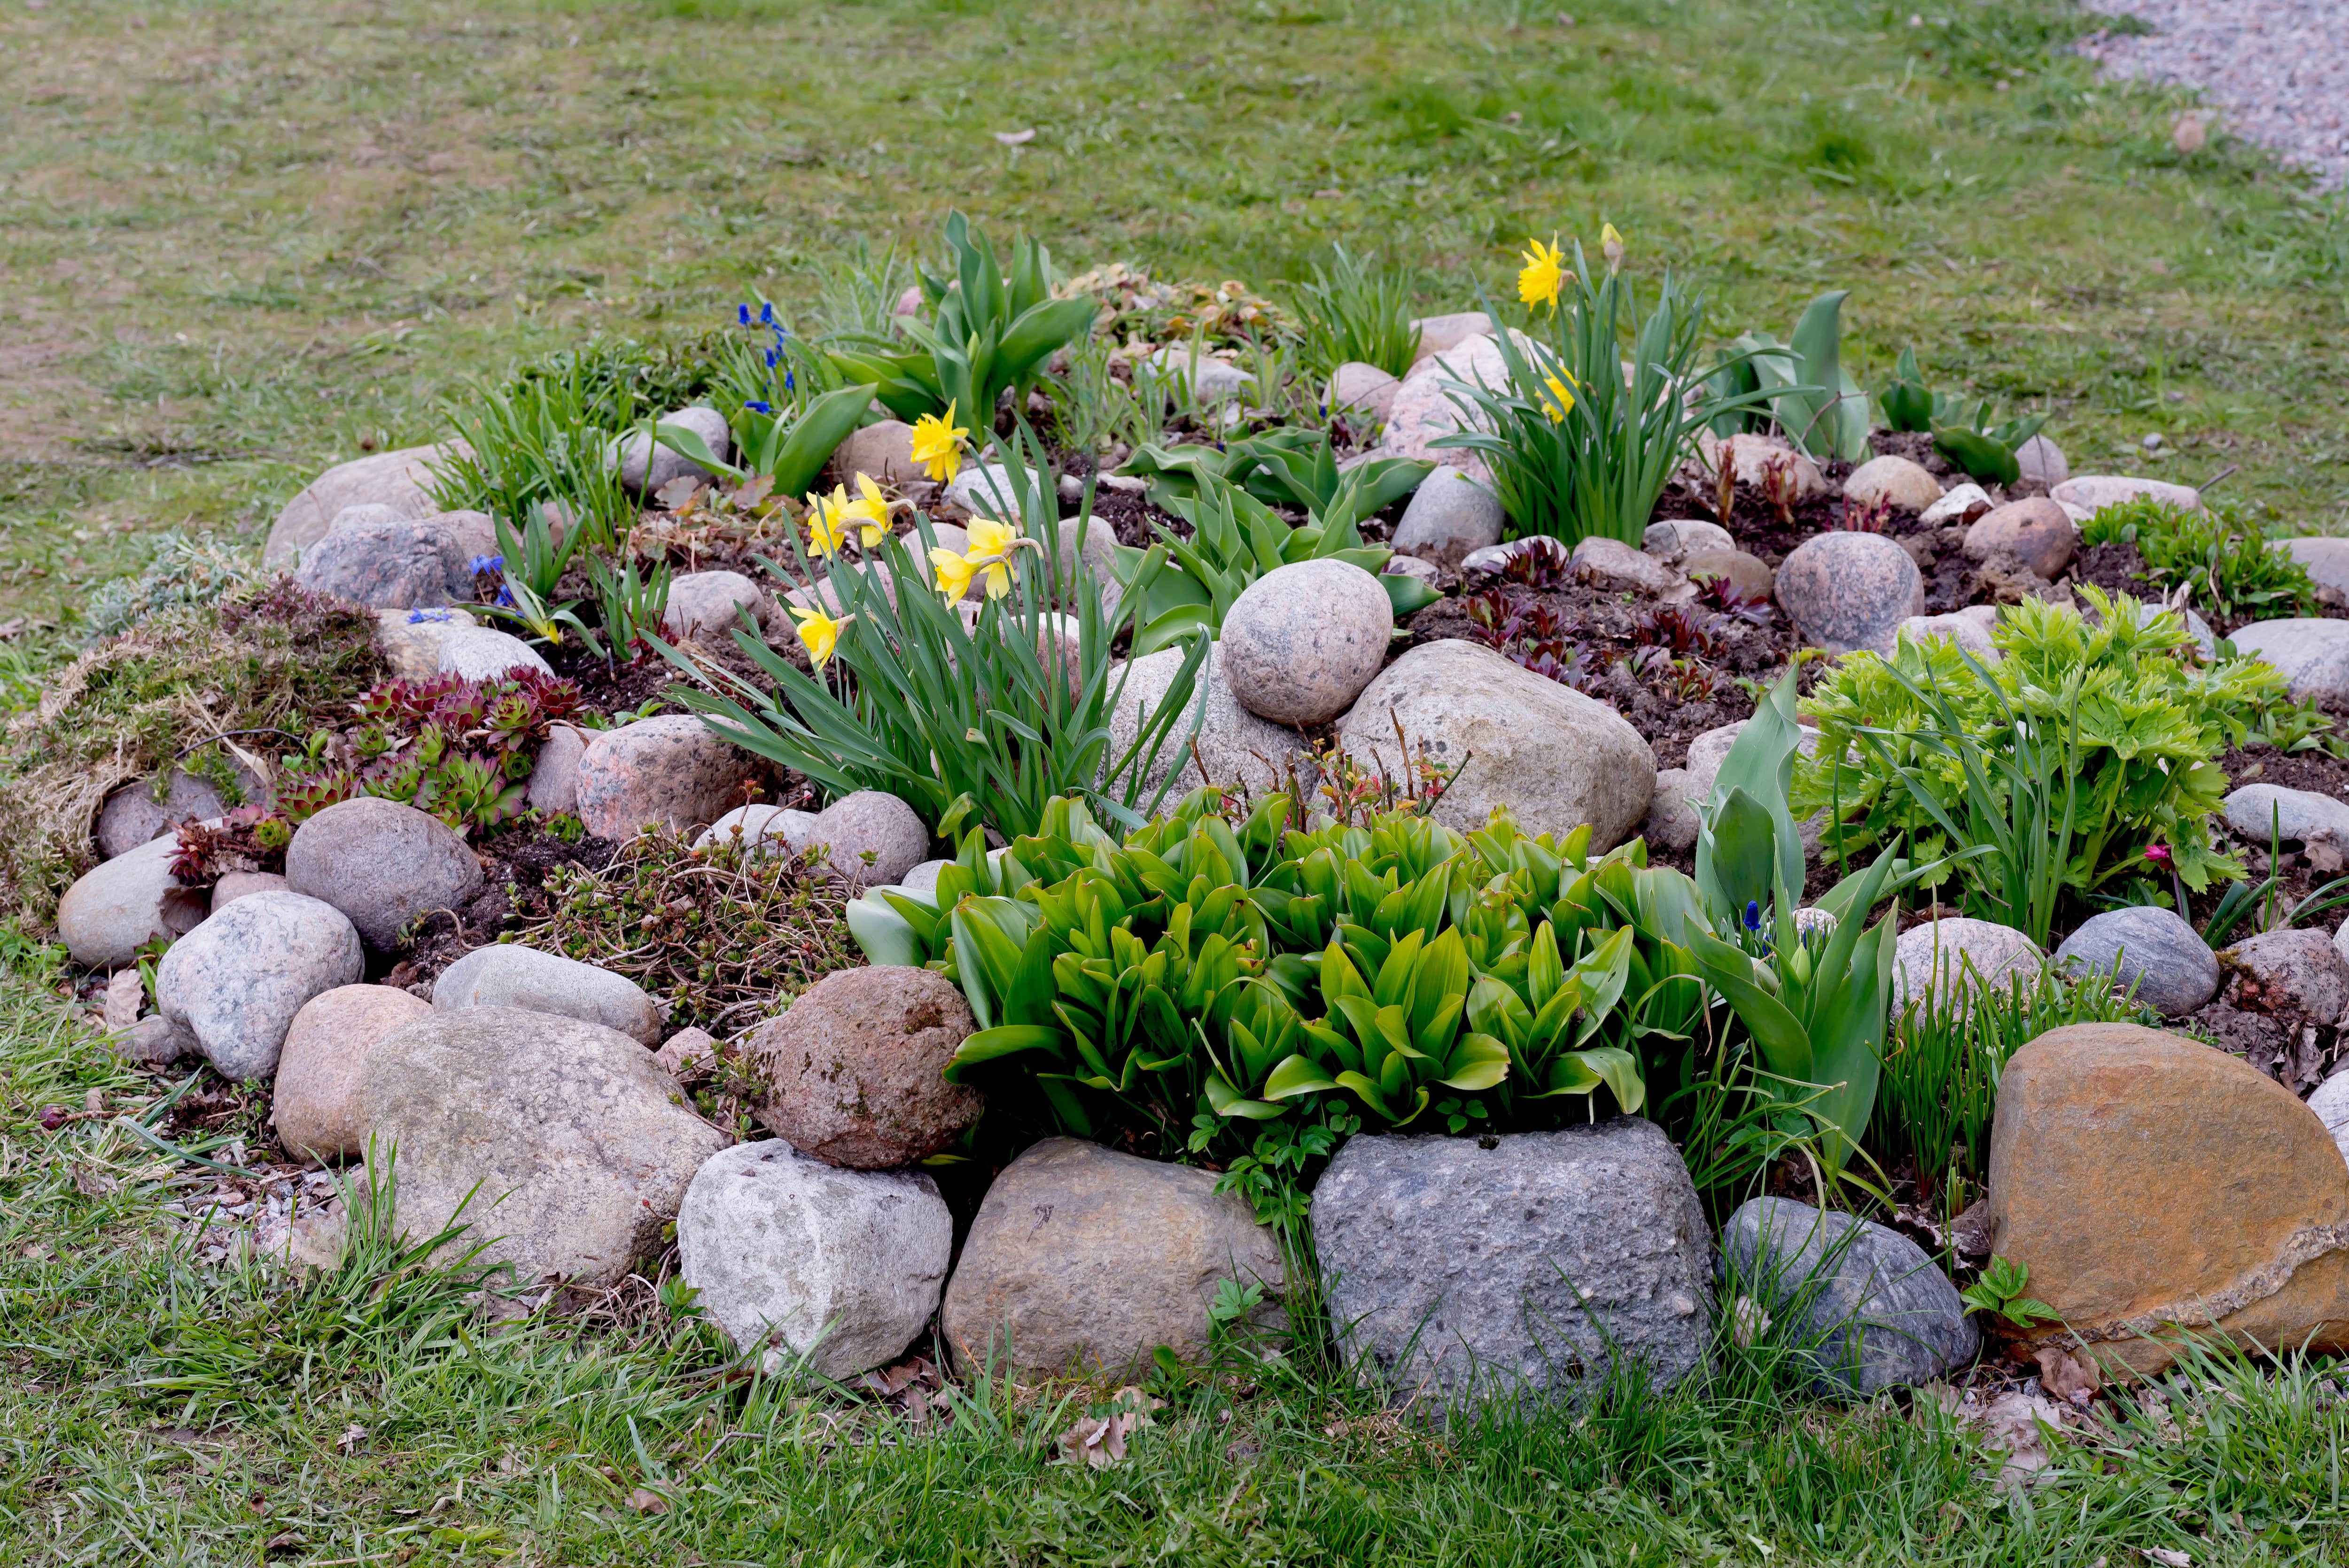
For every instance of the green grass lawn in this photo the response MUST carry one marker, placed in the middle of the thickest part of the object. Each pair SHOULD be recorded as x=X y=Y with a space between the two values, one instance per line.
x=238 y=240
x=241 y=241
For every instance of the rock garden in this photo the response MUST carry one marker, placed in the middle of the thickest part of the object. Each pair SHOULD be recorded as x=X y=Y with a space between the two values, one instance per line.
x=1117 y=828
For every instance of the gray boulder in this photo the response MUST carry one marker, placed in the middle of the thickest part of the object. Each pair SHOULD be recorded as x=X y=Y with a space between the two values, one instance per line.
x=389 y=564
x=1896 y=480
x=836 y=1269
x=1847 y=591
x=2331 y=1104
x=1302 y=642
x=116 y=908
x=1235 y=745
x=671 y=769
x=2094 y=493
x=563 y=1144
x=763 y=829
x=1861 y=1303
x=410 y=640
x=382 y=863
x=1611 y=564
x=1551 y=756
x=991 y=489
x=2298 y=975
x=1364 y=388
x=1525 y=1268
x=2042 y=463
x=1958 y=954
x=2326 y=559
x=1082 y=1258
x=1682 y=535
x=1448 y=516
x=871 y=838
x=1671 y=825
x=707 y=606
x=508 y=975
x=398 y=480
x=2173 y=969
x=483 y=653
x=2261 y=812
x=133 y=814
x=554 y=775
x=236 y=981
x=2312 y=654
x=645 y=466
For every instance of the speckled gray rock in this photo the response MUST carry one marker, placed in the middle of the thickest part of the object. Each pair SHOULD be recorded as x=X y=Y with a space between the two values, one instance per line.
x=2094 y=493
x=1082 y=1258
x=1846 y=590
x=554 y=775
x=1364 y=388
x=709 y=606
x=389 y=564
x=562 y=1141
x=2173 y=969
x=410 y=640
x=1895 y=481
x=870 y=837
x=634 y=451
x=671 y=769
x=1932 y=958
x=479 y=653
x=1679 y=535
x=2035 y=529
x=991 y=489
x=1553 y=757
x=2260 y=811
x=853 y=1071
x=834 y=1269
x=154 y=1041
x=766 y=830
x=2312 y=654
x=1671 y=823
x=1235 y=745
x=1748 y=572
x=508 y=975
x=132 y=815
x=2297 y=976
x=1862 y=1305
x=1427 y=405
x=2326 y=559
x=382 y=863
x=2331 y=1104
x=1302 y=642
x=2042 y=463
x=115 y=908
x=1448 y=516
x=236 y=981
x=1454 y=1268
x=235 y=885
x=1613 y=565
x=398 y=480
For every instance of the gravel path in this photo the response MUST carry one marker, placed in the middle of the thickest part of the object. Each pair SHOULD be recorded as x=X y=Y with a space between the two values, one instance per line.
x=2278 y=70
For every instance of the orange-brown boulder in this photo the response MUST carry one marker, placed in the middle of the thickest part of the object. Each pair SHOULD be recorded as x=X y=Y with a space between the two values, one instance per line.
x=2151 y=1184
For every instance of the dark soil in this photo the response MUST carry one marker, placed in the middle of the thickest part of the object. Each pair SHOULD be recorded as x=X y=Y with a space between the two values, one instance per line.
x=621 y=686
x=515 y=864
x=1609 y=629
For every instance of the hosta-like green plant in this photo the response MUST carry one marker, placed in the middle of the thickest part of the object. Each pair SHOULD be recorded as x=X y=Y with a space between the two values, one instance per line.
x=1963 y=431
x=987 y=334
x=2126 y=702
x=1187 y=585
x=1205 y=977
x=1812 y=400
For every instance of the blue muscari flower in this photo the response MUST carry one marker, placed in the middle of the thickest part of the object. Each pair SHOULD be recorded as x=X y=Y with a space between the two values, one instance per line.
x=766 y=316
x=758 y=407
x=1752 y=915
x=788 y=384
x=742 y=314
x=505 y=597
x=771 y=358
x=480 y=563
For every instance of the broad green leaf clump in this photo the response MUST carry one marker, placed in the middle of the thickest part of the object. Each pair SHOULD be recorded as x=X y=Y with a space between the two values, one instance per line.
x=2126 y=707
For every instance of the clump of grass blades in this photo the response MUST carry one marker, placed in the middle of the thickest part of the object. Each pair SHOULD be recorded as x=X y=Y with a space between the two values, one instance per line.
x=1577 y=445
x=545 y=440
x=1942 y=1074
x=1357 y=311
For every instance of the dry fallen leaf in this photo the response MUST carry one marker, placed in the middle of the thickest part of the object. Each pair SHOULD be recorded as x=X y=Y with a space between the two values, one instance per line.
x=2012 y=1424
x=353 y=1435
x=645 y=1500
x=2169 y=1557
x=1101 y=1441
x=2069 y=1375
x=1016 y=137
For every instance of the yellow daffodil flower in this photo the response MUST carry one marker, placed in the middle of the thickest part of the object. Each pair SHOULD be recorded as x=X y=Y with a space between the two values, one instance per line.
x=870 y=511
x=1544 y=275
x=938 y=444
x=1564 y=403
x=1610 y=243
x=953 y=572
x=991 y=544
x=827 y=521
x=820 y=634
